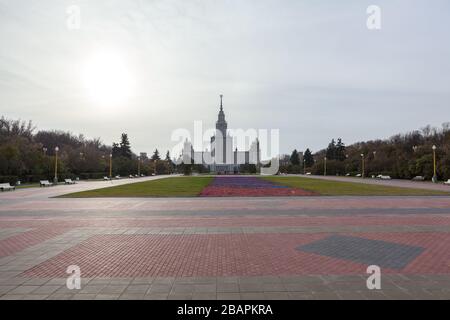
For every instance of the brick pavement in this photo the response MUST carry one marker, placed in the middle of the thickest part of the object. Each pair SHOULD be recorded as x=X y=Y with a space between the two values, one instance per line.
x=224 y=249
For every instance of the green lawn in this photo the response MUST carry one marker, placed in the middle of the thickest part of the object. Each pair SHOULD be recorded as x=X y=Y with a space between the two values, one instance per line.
x=192 y=186
x=337 y=188
x=166 y=187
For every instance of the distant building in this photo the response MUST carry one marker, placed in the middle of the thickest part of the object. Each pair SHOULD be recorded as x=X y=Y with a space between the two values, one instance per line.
x=222 y=158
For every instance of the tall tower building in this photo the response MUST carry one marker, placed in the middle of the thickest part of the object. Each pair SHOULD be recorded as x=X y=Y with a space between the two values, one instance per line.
x=221 y=124
x=221 y=142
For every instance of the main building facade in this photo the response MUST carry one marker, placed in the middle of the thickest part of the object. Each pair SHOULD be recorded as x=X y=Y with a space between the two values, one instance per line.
x=223 y=157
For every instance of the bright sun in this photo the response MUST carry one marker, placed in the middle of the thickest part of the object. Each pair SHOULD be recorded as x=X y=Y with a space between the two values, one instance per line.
x=107 y=79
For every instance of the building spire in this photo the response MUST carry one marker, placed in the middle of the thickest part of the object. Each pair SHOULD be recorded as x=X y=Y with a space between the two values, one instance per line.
x=221 y=106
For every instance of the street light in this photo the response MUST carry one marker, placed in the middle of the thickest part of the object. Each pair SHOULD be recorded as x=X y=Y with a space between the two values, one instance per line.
x=55 y=180
x=325 y=166
x=434 y=179
x=362 y=160
x=139 y=166
x=304 y=166
x=110 y=166
x=45 y=151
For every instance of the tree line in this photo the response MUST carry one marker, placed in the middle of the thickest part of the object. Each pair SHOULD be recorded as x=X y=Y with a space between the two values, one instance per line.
x=403 y=156
x=27 y=156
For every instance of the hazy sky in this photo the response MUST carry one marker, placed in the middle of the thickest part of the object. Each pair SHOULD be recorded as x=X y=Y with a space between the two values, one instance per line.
x=309 y=68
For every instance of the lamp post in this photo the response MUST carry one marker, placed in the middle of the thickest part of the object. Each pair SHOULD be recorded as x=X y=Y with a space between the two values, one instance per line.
x=139 y=166
x=325 y=166
x=362 y=167
x=434 y=179
x=110 y=166
x=304 y=166
x=55 y=179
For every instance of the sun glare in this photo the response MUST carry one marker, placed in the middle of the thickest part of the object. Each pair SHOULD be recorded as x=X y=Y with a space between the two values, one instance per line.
x=107 y=79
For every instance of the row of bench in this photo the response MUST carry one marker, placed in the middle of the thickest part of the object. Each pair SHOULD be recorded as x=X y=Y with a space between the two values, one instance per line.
x=46 y=183
x=42 y=183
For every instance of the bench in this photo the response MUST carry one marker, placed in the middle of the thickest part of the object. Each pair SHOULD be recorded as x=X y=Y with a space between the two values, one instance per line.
x=418 y=178
x=69 y=181
x=6 y=186
x=45 y=183
x=447 y=182
x=106 y=178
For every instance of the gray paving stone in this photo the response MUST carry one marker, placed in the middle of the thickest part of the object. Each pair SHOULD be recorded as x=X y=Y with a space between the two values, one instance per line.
x=204 y=296
x=137 y=288
x=161 y=280
x=12 y=297
x=252 y=296
x=228 y=296
x=120 y=281
x=276 y=295
x=110 y=296
x=273 y=287
x=23 y=289
x=300 y=295
x=36 y=281
x=382 y=253
x=325 y=295
x=92 y=289
x=374 y=295
x=180 y=296
x=84 y=296
x=250 y=287
x=156 y=296
x=296 y=287
x=35 y=297
x=60 y=296
x=160 y=288
x=397 y=295
x=143 y=281
x=183 y=288
x=113 y=289
x=221 y=280
x=46 y=289
x=6 y=289
x=205 y=288
x=131 y=296
x=227 y=287
x=350 y=295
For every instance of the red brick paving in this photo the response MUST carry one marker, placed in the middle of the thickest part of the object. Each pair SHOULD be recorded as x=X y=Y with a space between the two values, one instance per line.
x=235 y=221
x=27 y=239
x=228 y=255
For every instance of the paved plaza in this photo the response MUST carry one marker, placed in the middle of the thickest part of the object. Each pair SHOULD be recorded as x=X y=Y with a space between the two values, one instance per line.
x=308 y=247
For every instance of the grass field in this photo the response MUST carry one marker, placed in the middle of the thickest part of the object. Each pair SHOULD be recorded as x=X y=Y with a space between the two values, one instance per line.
x=168 y=187
x=337 y=188
x=192 y=186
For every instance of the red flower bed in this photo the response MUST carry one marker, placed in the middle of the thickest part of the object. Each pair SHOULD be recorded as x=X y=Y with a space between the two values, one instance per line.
x=249 y=187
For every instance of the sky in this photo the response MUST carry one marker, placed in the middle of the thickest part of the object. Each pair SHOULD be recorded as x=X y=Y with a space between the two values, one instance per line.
x=311 y=69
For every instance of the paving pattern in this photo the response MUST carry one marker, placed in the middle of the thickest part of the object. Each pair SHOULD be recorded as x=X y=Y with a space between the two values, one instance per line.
x=216 y=248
